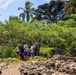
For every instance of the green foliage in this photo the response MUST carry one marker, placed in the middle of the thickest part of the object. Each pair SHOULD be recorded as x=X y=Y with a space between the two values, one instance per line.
x=37 y=58
x=7 y=51
x=45 y=49
x=54 y=8
x=70 y=7
x=10 y=60
x=61 y=35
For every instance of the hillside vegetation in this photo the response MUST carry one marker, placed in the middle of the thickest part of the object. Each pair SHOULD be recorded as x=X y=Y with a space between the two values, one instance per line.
x=61 y=35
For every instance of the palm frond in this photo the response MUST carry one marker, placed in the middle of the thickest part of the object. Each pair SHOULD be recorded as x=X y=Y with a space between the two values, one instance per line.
x=20 y=8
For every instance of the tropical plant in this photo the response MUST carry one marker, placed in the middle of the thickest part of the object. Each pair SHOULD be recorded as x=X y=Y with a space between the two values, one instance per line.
x=70 y=7
x=27 y=11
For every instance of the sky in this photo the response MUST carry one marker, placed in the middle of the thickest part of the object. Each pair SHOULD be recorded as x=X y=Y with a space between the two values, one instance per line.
x=10 y=7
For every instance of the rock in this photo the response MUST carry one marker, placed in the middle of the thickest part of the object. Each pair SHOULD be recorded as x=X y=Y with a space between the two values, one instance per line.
x=52 y=64
x=50 y=71
x=35 y=73
x=40 y=68
x=22 y=69
x=52 y=67
x=39 y=73
x=56 y=73
x=0 y=72
x=25 y=73
x=57 y=64
x=48 y=65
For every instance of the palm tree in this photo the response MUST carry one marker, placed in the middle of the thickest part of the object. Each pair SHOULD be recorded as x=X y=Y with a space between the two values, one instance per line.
x=70 y=7
x=27 y=11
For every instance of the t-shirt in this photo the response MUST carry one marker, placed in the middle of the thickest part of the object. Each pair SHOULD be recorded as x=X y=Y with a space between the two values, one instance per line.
x=17 y=49
x=21 y=49
x=25 y=47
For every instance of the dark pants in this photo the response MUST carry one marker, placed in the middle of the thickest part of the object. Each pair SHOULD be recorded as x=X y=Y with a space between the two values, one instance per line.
x=22 y=56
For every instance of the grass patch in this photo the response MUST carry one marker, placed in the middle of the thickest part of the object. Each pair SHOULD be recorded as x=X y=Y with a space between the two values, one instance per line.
x=10 y=60
x=37 y=58
x=45 y=50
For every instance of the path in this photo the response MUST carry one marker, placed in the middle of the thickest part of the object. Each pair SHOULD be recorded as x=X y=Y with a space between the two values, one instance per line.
x=13 y=69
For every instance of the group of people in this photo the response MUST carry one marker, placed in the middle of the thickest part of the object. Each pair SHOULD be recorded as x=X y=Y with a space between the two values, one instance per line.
x=25 y=51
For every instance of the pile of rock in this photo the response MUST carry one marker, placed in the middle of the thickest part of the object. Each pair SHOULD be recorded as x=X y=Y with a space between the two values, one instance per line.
x=52 y=67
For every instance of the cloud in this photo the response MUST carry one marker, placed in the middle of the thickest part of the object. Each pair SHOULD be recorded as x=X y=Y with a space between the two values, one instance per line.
x=5 y=3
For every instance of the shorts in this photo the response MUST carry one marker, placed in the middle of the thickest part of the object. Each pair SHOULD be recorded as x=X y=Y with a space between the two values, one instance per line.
x=21 y=54
x=29 y=53
x=25 y=53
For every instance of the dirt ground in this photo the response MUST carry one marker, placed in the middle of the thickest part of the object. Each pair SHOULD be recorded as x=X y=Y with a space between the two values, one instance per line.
x=12 y=69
